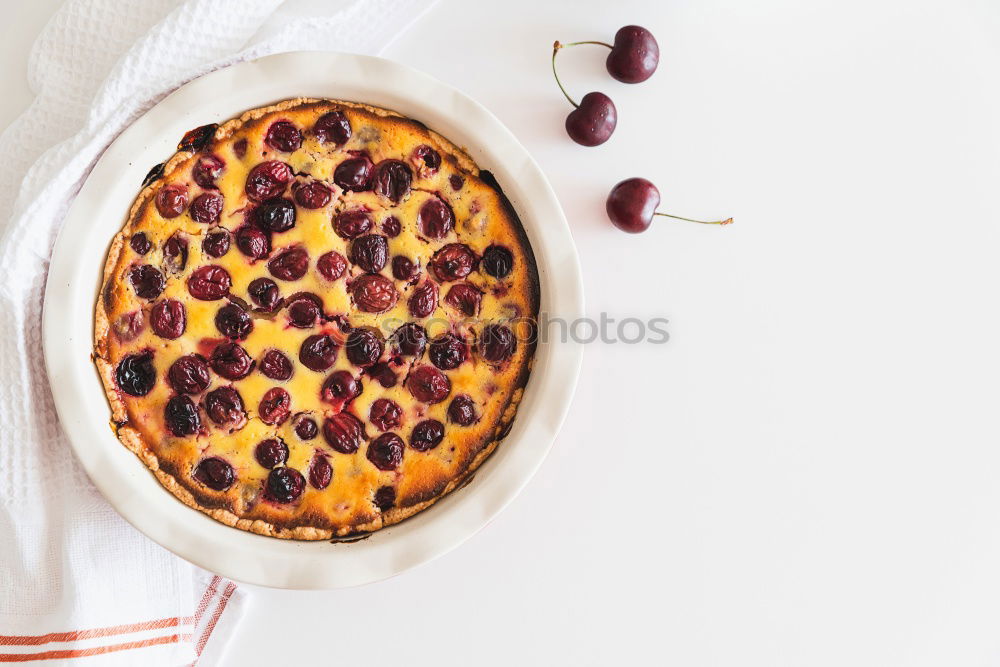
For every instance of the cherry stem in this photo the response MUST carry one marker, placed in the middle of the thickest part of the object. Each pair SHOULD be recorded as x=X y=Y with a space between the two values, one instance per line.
x=727 y=221
x=555 y=49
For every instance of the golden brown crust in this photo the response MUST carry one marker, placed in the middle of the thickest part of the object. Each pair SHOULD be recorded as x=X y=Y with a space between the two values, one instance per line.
x=425 y=488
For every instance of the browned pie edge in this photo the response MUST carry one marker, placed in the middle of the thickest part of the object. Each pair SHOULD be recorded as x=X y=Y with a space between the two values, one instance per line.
x=132 y=439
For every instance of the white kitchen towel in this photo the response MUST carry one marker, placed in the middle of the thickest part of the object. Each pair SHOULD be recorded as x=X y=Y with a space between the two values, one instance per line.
x=75 y=579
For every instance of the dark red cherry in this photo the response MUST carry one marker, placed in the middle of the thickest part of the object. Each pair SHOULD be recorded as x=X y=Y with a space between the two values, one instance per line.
x=340 y=386
x=284 y=485
x=634 y=56
x=215 y=473
x=253 y=241
x=175 y=254
x=171 y=200
x=128 y=326
x=332 y=127
x=289 y=264
x=392 y=180
x=209 y=283
x=364 y=347
x=354 y=174
x=632 y=203
x=456 y=181
x=374 y=293
x=189 y=374
x=343 y=432
x=313 y=195
x=275 y=406
x=320 y=472
x=386 y=451
x=304 y=310
x=426 y=158
x=240 y=148
x=224 y=406
x=181 y=416
x=453 y=262
x=271 y=452
x=423 y=300
x=168 y=319
x=447 y=351
x=136 y=374
x=409 y=339
x=385 y=414
x=370 y=252
x=331 y=265
x=206 y=208
x=383 y=373
x=140 y=243
x=275 y=215
x=275 y=365
x=462 y=411
x=428 y=384
x=147 y=281
x=318 y=352
x=496 y=343
x=283 y=136
x=267 y=180
x=355 y=222
x=403 y=268
x=427 y=435
x=391 y=227
x=233 y=322
x=435 y=219
x=265 y=293
x=305 y=427
x=198 y=138
x=593 y=121
x=498 y=261
x=216 y=244
x=206 y=170
x=385 y=498
x=231 y=361
x=464 y=298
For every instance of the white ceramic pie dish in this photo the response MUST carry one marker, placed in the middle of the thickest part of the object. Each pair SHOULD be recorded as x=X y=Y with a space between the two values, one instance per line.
x=99 y=212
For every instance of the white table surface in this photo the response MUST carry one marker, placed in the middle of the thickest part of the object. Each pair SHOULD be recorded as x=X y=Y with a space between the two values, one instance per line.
x=808 y=473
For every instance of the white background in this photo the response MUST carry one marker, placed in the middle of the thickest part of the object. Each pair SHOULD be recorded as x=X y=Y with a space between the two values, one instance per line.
x=808 y=473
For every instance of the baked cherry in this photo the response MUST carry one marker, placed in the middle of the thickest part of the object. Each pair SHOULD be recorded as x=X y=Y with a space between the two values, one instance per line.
x=428 y=384
x=331 y=265
x=403 y=268
x=140 y=243
x=215 y=473
x=364 y=347
x=209 y=283
x=354 y=174
x=240 y=148
x=497 y=343
x=189 y=374
x=354 y=222
x=320 y=471
x=632 y=205
x=332 y=127
x=231 y=361
x=386 y=451
x=435 y=219
x=447 y=351
x=374 y=293
x=313 y=195
x=168 y=319
x=423 y=300
x=224 y=406
x=216 y=244
x=453 y=262
x=128 y=326
x=181 y=416
x=462 y=411
x=275 y=215
x=206 y=170
x=634 y=55
x=370 y=252
x=171 y=200
x=267 y=180
x=318 y=352
x=206 y=208
x=391 y=227
x=135 y=374
x=392 y=180
x=284 y=485
x=198 y=138
x=275 y=365
x=271 y=453
x=147 y=281
x=343 y=432
x=385 y=498
x=409 y=340
x=283 y=136
x=427 y=159
x=385 y=414
x=304 y=310
x=265 y=293
x=341 y=386
x=456 y=181
x=233 y=322
x=305 y=427
x=289 y=264
x=427 y=435
x=253 y=241
x=464 y=298
x=275 y=406
x=383 y=373
x=498 y=261
x=175 y=253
